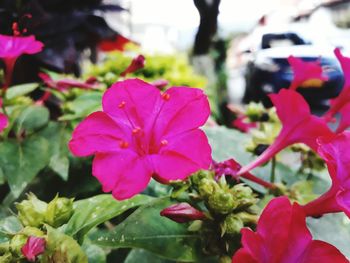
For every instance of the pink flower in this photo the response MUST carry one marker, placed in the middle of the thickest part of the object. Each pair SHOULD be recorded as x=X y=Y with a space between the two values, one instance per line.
x=34 y=247
x=304 y=71
x=231 y=167
x=345 y=118
x=182 y=213
x=142 y=132
x=241 y=124
x=298 y=126
x=335 y=151
x=282 y=237
x=136 y=64
x=3 y=119
x=344 y=96
x=11 y=47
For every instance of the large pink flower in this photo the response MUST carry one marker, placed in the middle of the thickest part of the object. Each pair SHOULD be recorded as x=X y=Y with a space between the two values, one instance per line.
x=142 y=132
x=298 y=126
x=282 y=237
x=344 y=96
x=11 y=47
x=336 y=152
x=304 y=71
x=3 y=119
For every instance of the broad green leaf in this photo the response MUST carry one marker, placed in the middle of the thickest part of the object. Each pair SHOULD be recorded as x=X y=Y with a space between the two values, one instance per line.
x=20 y=90
x=58 y=136
x=62 y=248
x=94 y=253
x=93 y=211
x=8 y=226
x=83 y=105
x=144 y=256
x=332 y=228
x=31 y=119
x=22 y=161
x=146 y=229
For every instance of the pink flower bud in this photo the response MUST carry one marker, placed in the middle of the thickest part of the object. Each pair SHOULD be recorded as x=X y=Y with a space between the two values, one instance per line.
x=136 y=64
x=34 y=247
x=182 y=213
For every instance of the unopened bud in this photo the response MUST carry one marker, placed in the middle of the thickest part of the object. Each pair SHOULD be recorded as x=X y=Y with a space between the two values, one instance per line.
x=232 y=224
x=207 y=187
x=243 y=195
x=221 y=202
x=6 y=258
x=182 y=213
x=33 y=247
x=136 y=64
x=16 y=243
x=31 y=212
x=59 y=211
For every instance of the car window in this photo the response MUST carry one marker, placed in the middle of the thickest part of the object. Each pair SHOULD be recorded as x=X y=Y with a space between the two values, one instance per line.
x=281 y=40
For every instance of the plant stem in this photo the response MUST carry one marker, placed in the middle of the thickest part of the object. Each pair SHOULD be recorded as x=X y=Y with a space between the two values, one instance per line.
x=273 y=170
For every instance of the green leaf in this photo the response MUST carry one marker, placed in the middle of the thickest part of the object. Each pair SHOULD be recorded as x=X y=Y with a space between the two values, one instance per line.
x=144 y=256
x=31 y=119
x=9 y=226
x=83 y=105
x=20 y=90
x=94 y=253
x=146 y=229
x=93 y=211
x=58 y=136
x=333 y=229
x=62 y=248
x=22 y=161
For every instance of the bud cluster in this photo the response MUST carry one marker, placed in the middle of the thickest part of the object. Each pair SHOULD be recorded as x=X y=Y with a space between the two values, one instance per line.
x=30 y=241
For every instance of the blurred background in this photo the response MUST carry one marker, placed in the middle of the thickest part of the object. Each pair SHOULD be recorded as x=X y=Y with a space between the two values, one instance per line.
x=240 y=48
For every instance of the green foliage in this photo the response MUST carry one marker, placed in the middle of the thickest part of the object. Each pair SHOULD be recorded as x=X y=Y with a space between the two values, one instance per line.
x=173 y=68
x=93 y=211
x=146 y=229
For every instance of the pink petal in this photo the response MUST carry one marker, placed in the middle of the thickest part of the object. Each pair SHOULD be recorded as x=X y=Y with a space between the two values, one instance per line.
x=305 y=70
x=14 y=46
x=188 y=152
x=3 y=122
x=344 y=95
x=253 y=243
x=183 y=109
x=242 y=256
x=322 y=252
x=298 y=126
x=33 y=247
x=133 y=102
x=123 y=173
x=97 y=133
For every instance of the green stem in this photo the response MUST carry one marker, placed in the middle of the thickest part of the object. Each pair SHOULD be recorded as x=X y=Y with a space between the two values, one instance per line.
x=273 y=170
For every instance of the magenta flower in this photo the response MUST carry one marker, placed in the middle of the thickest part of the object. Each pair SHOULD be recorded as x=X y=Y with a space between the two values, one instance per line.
x=136 y=64
x=33 y=247
x=344 y=122
x=304 y=71
x=3 y=119
x=11 y=47
x=282 y=237
x=231 y=167
x=335 y=151
x=344 y=96
x=141 y=133
x=298 y=126
x=240 y=124
x=182 y=213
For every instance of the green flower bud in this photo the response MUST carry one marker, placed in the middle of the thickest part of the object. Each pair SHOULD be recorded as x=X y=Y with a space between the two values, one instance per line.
x=197 y=177
x=248 y=218
x=59 y=211
x=243 y=195
x=207 y=187
x=221 y=202
x=232 y=224
x=32 y=231
x=6 y=258
x=31 y=212
x=4 y=247
x=225 y=259
x=16 y=243
x=254 y=111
